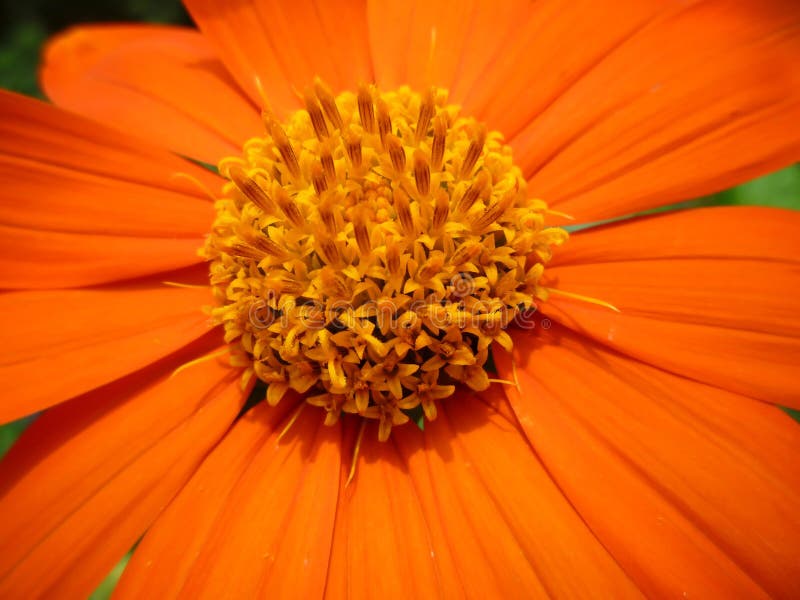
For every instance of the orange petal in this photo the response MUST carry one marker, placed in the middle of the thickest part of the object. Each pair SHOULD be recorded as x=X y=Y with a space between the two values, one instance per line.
x=89 y=476
x=277 y=48
x=464 y=508
x=81 y=204
x=711 y=294
x=448 y=45
x=692 y=489
x=698 y=99
x=58 y=344
x=164 y=84
x=255 y=521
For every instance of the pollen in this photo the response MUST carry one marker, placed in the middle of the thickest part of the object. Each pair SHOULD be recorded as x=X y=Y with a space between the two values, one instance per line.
x=370 y=250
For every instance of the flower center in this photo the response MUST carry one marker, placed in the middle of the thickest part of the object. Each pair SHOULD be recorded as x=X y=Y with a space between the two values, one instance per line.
x=369 y=251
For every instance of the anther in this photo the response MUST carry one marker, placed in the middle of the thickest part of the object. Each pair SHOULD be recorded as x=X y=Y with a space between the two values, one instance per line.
x=288 y=207
x=327 y=215
x=251 y=190
x=422 y=172
x=353 y=148
x=326 y=159
x=426 y=110
x=403 y=207
x=318 y=179
x=439 y=139
x=328 y=103
x=393 y=257
x=366 y=109
x=328 y=250
x=473 y=152
x=362 y=233
x=441 y=209
x=384 y=120
x=284 y=147
x=315 y=112
x=396 y=152
x=269 y=246
x=472 y=192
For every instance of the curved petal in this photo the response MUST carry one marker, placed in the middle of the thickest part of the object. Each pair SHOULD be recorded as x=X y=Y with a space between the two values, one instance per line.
x=464 y=508
x=55 y=345
x=446 y=44
x=700 y=98
x=255 y=521
x=280 y=47
x=712 y=294
x=692 y=489
x=81 y=204
x=163 y=84
x=89 y=476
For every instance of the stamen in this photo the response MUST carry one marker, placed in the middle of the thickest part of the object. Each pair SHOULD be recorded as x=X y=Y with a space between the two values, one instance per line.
x=439 y=138
x=318 y=179
x=328 y=167
x=251 y=190
x=422 y=173
x=384 y=120
x=473 y=152
x=426 y=110
x=366 y=109
x=315 y=112
x=328 y=103
x=402 y=205
x=396 y=152
x=353 y=148
x=288 y=208
x=284 y=147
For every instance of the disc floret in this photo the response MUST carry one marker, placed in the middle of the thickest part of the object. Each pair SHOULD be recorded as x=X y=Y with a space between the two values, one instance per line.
x=369 y=252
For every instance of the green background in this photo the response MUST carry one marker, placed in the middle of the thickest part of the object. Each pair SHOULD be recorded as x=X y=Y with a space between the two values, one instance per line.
x=24 y=26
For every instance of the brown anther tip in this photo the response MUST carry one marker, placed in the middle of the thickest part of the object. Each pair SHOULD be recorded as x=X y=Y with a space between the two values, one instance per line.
x=288 y=207
x=439 y=139
x=402 y=205
x=474 y=151
x=422 y=172
x=396 y=151
x=353 y=147
x=473 y=192
x=250 y=188
x=326 y=160
x=426 y=110
x=328 y=102
x=366 y=108
x=384 y=120
x=318 y=179
x=441 y=209
x=315 y=113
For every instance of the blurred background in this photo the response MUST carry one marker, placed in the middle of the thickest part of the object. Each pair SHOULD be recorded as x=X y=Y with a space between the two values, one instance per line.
x=26 y=25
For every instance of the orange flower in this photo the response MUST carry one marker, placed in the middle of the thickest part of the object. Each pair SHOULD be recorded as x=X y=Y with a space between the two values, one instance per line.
x=634 y=451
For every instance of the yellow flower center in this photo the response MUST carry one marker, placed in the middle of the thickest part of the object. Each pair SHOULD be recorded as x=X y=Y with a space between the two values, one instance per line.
x=368 y=252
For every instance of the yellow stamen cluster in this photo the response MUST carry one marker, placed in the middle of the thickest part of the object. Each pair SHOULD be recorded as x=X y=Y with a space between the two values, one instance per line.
x=368 y=252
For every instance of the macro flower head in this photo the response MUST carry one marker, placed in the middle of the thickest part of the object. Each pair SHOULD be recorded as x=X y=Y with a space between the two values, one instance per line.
x=372 y=299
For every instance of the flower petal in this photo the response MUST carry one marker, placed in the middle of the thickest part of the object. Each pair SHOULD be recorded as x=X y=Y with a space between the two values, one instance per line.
x=712 y=294
x=446 y=44
x=282 y=46
x=464 y=508
x=79 y=200
x=164 y=84
x=256 y=520
x=694 y=490
x=89 y=476
x=699 y=99
x=57 y=345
